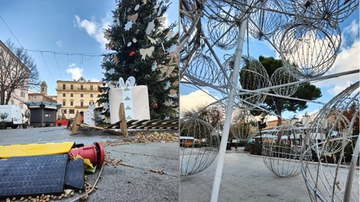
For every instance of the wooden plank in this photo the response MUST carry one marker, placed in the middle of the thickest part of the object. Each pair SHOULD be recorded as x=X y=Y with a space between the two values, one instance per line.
x=122 y=118
x=76 y=124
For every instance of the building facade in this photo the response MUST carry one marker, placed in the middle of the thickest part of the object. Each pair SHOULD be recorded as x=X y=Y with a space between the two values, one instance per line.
x=76 y=95
x=273 y=124
x=42 y=96
x=13 y=73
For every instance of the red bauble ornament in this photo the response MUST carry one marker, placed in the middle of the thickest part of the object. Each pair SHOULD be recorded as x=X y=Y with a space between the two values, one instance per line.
x=112 y=47
x=104 y=83
x=155 y=105
x=132 y=53
x=119 y=5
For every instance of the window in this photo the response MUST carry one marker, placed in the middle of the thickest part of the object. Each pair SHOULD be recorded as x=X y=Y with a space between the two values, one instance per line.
x=71 y=87
x=71 y=103
x=81 y=95
x=71 y=111
x=64 y=86
x=22 y=94
x=12 y=102
x=91 y=87
x=64 y=103
x=42 y=89
x=64 y=111
x=71 y=95
x=81 y=103
x=64 y=94
x=91 y=95
x=81 y=87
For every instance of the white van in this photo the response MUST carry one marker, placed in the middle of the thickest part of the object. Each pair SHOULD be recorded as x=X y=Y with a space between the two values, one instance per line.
x=14 y=118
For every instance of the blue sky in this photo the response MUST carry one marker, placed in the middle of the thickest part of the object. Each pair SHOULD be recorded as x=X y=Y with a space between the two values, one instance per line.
x=68 y=33
x=348 y=59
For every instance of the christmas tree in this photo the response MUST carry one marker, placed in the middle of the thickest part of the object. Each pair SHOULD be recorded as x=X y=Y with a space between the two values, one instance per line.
x=145 y=48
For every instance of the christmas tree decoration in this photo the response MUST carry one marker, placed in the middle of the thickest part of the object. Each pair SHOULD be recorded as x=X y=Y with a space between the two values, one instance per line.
x=154 y=66
x=123 y=38
x=132 y=53
x=128 y=25
x=150 y=27
x=146 y=52
x=168 y=103
x=140 y=28
x=153 y=41
x=116 y=60
x=133 y=18
x=135 y=99
x=173 y=92
x=111 y=71
x=167 y=86
x=155 y=105
x=104 y=83
x=112 y=47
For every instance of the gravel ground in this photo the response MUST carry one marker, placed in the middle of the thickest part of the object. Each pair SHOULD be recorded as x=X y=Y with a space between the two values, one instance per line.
x=148 y=168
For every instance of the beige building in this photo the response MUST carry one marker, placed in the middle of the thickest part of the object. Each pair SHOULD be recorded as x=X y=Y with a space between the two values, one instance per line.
x=273 y=124
x=12 y=71
x=42 y=96
x=76 y=95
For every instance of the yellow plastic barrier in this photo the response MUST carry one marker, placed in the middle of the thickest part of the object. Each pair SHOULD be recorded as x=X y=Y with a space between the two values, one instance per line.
x=7 y=151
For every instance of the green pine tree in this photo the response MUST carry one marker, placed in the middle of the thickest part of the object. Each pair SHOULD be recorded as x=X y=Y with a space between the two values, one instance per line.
x=144 y=48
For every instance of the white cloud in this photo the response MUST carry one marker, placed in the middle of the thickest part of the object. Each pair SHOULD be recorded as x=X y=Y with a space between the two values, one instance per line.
x=95 y=80
x=350 y=33
x=59 y=43
x=93 y=28
x=194 y=100
x=75 y=71
x=347 y=60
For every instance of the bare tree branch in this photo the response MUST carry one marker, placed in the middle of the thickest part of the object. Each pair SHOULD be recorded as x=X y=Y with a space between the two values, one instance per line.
x=17 y=71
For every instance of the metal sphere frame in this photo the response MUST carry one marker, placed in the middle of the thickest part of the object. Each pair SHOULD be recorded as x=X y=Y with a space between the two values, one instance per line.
x=203 y=151
x=332 y=175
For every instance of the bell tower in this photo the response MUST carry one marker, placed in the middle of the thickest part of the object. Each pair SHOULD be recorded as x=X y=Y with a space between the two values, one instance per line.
x=43 y=89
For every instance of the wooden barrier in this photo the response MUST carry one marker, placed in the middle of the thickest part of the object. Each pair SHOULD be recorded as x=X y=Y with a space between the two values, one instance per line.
x=122 y=118
x=76 y=123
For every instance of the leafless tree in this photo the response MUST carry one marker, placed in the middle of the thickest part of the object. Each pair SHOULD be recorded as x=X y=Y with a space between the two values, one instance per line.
x=17 y=71
x=214 y=115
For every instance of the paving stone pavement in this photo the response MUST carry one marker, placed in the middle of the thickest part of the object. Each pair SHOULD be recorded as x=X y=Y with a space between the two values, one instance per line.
x=245 y=178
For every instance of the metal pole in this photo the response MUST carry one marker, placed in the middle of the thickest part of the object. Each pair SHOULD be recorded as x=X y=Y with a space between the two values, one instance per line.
x=229 y=109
